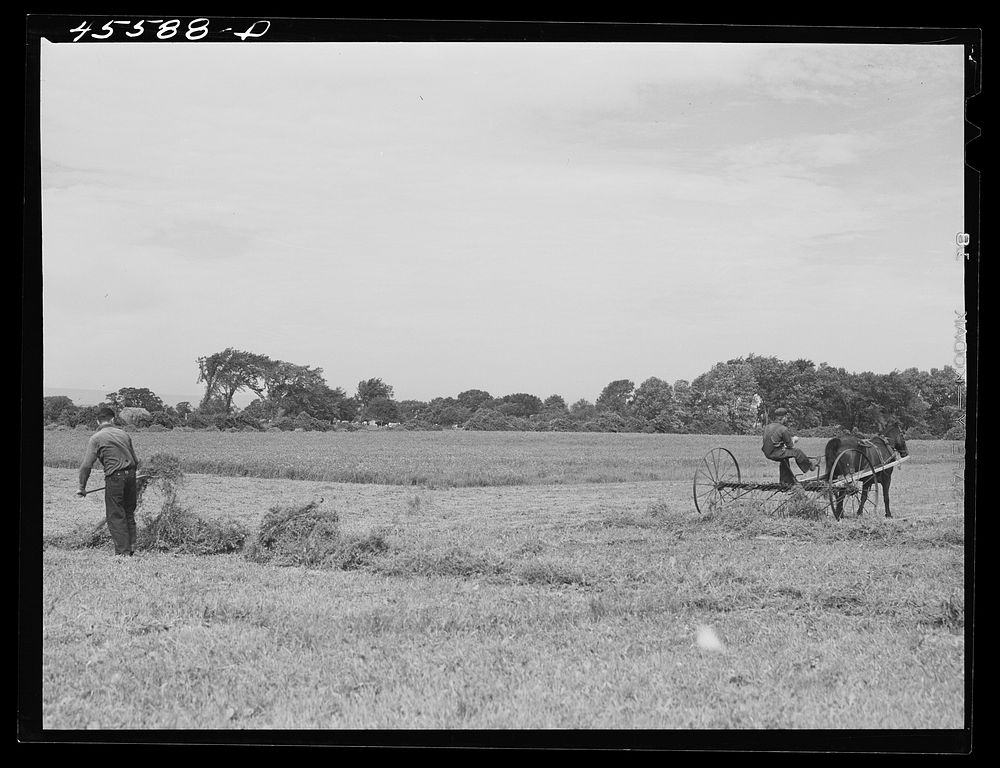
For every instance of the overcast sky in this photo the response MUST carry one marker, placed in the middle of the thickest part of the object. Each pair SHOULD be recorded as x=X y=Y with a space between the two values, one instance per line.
x=509 y=217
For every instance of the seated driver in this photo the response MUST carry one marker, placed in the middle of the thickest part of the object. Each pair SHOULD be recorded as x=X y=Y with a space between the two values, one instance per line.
x=779 y=445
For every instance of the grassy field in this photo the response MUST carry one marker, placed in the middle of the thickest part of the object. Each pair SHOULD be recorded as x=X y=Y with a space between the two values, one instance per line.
x=454 y=458
x=539 y=581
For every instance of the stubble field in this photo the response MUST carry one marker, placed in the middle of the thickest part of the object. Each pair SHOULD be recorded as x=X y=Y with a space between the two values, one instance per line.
x=535 y=581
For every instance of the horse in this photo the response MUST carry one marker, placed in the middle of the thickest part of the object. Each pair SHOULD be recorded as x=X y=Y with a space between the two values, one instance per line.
x=879 y=450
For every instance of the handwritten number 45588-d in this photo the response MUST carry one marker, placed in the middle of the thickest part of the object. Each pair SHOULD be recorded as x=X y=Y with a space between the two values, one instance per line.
x=166 y=29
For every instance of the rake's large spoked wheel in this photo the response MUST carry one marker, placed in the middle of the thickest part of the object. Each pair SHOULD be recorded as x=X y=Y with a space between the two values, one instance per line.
x=717 y=470
x=853 y=490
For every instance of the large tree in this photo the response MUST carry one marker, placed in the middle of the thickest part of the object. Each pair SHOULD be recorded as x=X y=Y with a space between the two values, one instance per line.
x=616 y=397
x=381 y=410
x=372 y=389
x=885 y=396
x=582 y=410
x=683 y=401
x=556 y=403
x=654 y=406
x=838 y=403
x=942 y=391
x=653 y=397
x=554 y=408
x=55 y=407
x=135 y=397
x=727 y=394
x=791 y=385
x=443 y=411
x=474 y=399
x=519 y=405
x=230 y=371
x=295 y=389
x=411 y=410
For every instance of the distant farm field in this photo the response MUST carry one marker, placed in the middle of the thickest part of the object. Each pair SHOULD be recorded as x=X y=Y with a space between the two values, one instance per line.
x=540 y=581
x=455 y=458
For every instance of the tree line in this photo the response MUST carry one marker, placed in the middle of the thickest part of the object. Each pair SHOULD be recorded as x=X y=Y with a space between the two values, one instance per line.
x=733 y=397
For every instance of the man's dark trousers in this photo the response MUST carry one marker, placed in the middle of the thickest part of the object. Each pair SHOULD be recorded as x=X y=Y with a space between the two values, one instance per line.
x=119 y=508
x=783 y=456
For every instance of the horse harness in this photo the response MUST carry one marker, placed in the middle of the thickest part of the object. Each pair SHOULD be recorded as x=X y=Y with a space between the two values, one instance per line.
x=869 y=443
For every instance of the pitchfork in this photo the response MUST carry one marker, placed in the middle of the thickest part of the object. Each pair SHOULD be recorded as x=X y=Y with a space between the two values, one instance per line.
x=95 y=490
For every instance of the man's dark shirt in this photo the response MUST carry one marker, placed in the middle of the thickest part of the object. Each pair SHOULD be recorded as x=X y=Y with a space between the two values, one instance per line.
x=776 y=437
x=113 y=447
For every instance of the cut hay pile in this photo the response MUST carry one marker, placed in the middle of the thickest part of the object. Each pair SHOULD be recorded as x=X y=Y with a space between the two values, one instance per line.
x=296 y=535
x=177 y=529
x=162 y=471
x=308 y=535
x=800 y=504
x=359 y=550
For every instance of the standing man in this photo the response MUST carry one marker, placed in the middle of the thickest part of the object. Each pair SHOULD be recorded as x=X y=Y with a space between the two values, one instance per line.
x=779 y=445
x=113 y=447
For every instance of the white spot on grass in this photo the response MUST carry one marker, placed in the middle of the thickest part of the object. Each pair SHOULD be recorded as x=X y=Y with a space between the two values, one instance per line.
x=708 y=640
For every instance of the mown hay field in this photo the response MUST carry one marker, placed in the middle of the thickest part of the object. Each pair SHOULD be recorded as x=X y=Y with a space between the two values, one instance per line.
x=567 y=594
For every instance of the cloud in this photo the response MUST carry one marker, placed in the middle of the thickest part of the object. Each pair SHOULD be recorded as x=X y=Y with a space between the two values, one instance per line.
x=56 y=175
x=830 y=74
x=201 y=239
x=801 y=153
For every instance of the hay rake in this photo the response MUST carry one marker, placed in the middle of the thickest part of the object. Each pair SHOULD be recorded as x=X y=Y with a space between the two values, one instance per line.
x=718 y=483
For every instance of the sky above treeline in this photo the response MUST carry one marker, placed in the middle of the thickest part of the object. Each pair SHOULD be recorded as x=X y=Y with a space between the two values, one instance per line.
x=541 y=218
